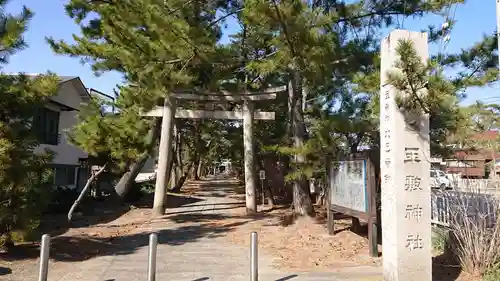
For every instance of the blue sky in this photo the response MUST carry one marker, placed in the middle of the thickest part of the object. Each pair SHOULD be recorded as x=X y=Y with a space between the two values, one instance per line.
x=475 y=18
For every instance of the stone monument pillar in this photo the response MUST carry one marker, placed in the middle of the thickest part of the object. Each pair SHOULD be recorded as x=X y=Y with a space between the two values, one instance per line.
x=405 y=166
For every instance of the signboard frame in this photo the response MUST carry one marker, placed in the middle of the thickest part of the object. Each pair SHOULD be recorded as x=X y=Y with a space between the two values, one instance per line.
x=262 y=174
x=370 y=215
x=338 y=177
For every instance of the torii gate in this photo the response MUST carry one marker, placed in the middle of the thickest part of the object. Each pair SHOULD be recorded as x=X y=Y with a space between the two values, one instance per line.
x=169 y=111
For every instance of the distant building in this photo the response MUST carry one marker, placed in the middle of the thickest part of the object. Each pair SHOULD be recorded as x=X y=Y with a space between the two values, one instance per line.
x=474 y=162
x=52 y=121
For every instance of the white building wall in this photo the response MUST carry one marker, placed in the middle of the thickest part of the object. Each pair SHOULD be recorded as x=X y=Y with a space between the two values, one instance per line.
x=66 y=153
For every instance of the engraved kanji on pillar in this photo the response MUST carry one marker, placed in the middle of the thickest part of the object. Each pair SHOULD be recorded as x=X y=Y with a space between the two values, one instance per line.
x=404 y=154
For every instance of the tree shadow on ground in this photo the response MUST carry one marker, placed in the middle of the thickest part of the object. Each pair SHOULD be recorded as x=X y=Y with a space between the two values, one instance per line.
x=216 y=188
x=93 y=213
x=288 y=217
x=174 y=200
x=71 y=249
x=444 y=268
x=288 y=277
x=90 y=213
x=5 y=271
x=212 y=207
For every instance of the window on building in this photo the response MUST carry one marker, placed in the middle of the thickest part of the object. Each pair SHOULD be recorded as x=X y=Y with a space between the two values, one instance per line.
x=46 y=125
x=64 y=175
x=471 y=163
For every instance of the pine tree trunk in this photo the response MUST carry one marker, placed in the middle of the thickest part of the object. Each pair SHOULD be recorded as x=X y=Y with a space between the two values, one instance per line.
x=175 y=166
x=194 y=170
x=173 y=174
x=266 y=188
x=199 y=169
x=195 y=167
x=94 y=176
x=180 y=183
x=128 y=178
x=302 y=202
x=182 y=176
x=268 y=191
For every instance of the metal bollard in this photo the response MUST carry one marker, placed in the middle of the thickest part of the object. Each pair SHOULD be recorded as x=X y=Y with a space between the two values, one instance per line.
x=44 y=258
x=254 y=264
x=153 y=243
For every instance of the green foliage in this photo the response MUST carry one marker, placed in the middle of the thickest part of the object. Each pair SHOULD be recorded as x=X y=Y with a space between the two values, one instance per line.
x=493 y=274
x=330 y=48
x=440 y=239
x=159 y=46
x=154 y=43
x=333 y=50
x=449 y=122
x=23 y=177
x=423 y=92
x=117 y=139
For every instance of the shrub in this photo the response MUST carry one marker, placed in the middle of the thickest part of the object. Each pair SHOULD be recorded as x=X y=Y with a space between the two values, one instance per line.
x=61 y=198
x=138 y=190
x=23 y=200
x=23 y=178
x=475 y=227
x=492 y=274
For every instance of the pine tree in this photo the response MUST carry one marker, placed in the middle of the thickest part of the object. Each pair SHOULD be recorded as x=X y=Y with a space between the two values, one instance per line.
x=475 y=133
x=23 y=178
x=443 y=94
x=159 y=46
x=119 y=141
x=326 y=50
x=320 y=47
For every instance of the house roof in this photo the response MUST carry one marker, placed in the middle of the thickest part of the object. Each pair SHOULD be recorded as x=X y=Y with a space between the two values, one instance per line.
x=470 y=154
x=78 y=84
x=486 y=135
x=67 y=78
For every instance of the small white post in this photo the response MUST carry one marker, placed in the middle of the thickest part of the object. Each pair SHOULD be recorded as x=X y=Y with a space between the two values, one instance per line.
x=44 y=258
x=153 y=244
x=254 y=263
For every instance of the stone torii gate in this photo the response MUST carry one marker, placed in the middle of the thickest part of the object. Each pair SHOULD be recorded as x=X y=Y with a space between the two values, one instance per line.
x=169 y=112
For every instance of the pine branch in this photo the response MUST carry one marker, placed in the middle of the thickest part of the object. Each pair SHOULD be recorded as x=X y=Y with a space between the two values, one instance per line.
x=284 y=28
x=215 y=22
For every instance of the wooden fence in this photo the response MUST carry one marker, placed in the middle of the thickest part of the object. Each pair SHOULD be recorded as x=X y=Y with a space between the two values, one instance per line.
x=451 y=206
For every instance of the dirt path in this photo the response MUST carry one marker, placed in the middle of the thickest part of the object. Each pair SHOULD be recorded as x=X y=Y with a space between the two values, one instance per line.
x=203 y=237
